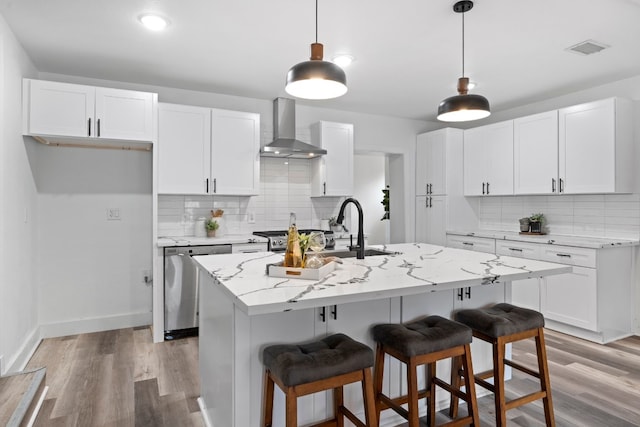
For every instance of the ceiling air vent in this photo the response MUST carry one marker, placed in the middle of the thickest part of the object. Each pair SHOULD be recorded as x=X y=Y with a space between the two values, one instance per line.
x=587 y=47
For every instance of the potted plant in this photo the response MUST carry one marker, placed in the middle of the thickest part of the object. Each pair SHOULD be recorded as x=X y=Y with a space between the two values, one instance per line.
x=211 y=225
x=524 y=224
x=333 y=223
x=536 y=222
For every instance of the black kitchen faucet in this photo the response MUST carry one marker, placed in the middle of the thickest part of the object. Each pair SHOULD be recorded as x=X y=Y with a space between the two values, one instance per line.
x=359 y=248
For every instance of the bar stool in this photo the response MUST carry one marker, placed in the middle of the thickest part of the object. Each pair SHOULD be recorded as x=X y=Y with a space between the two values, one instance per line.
x=329 y=363
x=424 y=342
x=499 y=325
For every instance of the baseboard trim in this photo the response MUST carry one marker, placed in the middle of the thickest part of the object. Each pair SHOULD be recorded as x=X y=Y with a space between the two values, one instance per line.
x=96 y=324
x=23 y=355
x=203 y=411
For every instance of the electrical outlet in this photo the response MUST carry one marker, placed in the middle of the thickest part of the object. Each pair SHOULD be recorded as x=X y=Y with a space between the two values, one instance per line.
x=146 y=276
x=113 y=214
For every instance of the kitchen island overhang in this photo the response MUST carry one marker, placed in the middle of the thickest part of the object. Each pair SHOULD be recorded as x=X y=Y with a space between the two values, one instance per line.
x=414 y=268
x=242 y=310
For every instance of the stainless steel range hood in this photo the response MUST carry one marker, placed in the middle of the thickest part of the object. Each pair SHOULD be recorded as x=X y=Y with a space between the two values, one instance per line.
x=285 y=143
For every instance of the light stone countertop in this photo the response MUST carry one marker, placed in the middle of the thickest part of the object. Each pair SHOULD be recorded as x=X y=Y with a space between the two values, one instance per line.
x=550 y=239
x=167 y=241
x=418 y=268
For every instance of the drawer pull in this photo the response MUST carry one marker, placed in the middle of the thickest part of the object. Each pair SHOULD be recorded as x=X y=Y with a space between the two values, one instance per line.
x=515 y=249
x=467 y=243
x=564 y=255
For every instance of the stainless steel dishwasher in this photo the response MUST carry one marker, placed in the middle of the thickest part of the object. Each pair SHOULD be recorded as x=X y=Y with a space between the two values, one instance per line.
x=181 y=288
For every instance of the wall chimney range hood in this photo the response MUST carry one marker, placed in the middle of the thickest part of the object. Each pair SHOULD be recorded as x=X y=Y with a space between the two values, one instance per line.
x=284 y=142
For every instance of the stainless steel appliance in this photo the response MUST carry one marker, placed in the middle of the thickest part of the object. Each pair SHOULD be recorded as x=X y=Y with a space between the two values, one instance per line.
x=181 y=288
x=277 y=240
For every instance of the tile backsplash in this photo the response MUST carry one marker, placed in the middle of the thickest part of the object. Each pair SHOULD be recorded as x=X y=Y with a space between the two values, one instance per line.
x=615 y=215
x=285 y=186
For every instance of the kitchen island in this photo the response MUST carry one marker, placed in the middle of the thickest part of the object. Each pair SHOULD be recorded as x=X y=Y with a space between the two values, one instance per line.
x=242 y=310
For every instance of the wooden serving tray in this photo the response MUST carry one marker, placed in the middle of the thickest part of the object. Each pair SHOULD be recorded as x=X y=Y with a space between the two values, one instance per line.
x=532 y=233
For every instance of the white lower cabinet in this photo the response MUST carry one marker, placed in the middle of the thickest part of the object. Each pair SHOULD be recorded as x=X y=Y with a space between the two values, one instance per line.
x=572 y=298
x=431 y=219
x=524 y=293
x=472 y=243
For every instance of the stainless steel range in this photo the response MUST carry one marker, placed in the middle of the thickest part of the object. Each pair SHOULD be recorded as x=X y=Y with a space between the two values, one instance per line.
x=277 y=240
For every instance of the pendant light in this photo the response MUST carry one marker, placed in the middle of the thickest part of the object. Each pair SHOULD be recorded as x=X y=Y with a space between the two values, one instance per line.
x=316 y=79
x=463 y=107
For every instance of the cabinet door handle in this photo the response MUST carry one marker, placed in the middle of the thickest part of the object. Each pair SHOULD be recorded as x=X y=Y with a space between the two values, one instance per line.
x=430 y=188
x=563 y=255
x=206 y=185
x=324 y=188
x=467 y=243
x=89 y=126
x=323 y=314
x=98 y=132
x=215 y=185
x=561 y=186
x=553 y=185
x=426 y=202
x=515 y=249
x=334 y=312
x=460 y=294
x=430 y=202
x=426 y=189
x=483 y=188
x=468 y=292
x=487 y=188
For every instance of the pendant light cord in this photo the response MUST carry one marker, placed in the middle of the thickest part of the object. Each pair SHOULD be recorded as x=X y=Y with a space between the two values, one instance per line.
x=317 y=21
x=462 y=42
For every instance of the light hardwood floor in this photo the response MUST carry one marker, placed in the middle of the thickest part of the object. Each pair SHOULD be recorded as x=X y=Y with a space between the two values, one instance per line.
x=120 y=378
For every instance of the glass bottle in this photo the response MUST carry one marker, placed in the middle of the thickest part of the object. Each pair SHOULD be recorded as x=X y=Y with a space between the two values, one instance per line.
x=293 y=254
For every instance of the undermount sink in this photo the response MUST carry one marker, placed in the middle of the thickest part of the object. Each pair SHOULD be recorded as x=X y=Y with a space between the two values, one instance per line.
x=352 y=254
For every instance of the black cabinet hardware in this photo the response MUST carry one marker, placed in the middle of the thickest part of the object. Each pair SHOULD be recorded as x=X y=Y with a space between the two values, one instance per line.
x=487 y=188
x=207 y=185
x=564 y=255
x=98 y=132
x=561 y=190
x=515 y=249
x=334 y=312
x=323 y=314
x=468 y=292
x=89 y=126
x=553 y=185
x=483 y=188
x=467 y=243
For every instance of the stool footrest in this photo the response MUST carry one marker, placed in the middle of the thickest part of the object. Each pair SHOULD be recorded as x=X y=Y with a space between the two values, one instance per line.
x=522 y=368
x=525 y=399
x=485 y=384
x=355 y=420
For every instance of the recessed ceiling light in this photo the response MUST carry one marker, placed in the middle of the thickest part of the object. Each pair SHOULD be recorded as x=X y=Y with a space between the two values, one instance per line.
x=343 y=60
x=153 y=22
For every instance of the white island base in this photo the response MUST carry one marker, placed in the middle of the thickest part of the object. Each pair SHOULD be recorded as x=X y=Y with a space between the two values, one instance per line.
x=242 y=311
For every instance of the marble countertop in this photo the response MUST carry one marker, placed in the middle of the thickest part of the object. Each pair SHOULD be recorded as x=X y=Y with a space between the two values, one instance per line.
x=418 y=268
x=167 y=241
x=550 y=239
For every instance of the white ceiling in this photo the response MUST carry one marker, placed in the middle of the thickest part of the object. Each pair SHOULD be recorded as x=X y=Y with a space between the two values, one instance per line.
x=408 y=52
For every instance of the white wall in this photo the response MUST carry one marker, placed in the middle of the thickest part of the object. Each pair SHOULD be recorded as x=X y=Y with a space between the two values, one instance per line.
x=18 y=201
x=369 y=181
x=89 y=268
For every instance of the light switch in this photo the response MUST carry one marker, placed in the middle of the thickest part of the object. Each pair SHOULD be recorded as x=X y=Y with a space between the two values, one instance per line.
x=113 y=214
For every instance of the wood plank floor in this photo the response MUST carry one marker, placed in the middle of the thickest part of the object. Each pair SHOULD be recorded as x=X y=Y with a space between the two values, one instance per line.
x=120 y=378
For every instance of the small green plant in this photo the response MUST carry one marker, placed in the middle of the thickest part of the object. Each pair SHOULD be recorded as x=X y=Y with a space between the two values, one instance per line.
x=211 y=224
x=539 y=217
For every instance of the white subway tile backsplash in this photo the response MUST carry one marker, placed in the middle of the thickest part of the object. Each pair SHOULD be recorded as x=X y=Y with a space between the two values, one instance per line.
x=615 y=215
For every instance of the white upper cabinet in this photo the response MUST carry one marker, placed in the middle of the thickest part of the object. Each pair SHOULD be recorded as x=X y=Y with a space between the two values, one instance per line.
x=431 y=163
x=333 y=173
x=59 y=110
x=596 y=147
x=535 y=154
x=184 y=144
x=208 y=151
x=488 y=160
x=235 y=152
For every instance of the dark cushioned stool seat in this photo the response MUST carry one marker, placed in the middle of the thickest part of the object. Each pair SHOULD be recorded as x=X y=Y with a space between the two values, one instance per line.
x=426 y=335
x=331 y=356
x=501 y=319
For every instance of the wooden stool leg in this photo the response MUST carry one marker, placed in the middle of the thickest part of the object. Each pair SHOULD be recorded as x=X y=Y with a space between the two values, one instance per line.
x=498 y=381
x=338 y=403
x=412 y=385
x=268 y=400
x=377 y=378
x=470 y=386
x=370 y=412
x=545 y=382
x=291 y=407
x=431 y=398
x=455 y=383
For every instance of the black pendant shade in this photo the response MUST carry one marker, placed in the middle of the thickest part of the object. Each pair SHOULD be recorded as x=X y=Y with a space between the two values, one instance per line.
x=316 y=79
x=463 y=107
